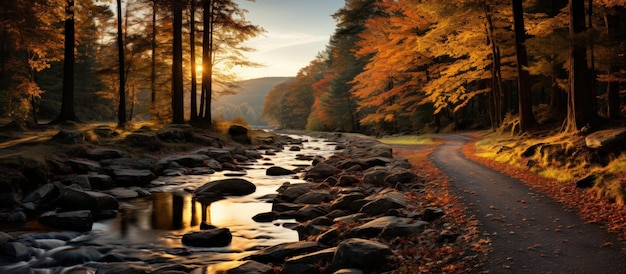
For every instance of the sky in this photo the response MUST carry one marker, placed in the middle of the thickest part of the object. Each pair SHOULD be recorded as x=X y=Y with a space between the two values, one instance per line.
x=296 y=31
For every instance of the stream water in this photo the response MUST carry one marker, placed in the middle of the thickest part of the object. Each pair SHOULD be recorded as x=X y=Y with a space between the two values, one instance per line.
x=161 y=219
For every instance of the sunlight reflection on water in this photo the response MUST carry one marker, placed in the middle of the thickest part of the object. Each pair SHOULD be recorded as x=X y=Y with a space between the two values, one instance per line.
x=171 y=211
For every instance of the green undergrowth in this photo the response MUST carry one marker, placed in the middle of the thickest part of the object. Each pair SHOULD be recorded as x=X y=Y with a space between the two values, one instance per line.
x=562 y=157
x=407 y=140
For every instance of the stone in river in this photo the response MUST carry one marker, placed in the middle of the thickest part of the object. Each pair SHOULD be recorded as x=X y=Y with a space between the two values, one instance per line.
x=231 y=186
x=278 y=171
x=362 y=254
x=80 y=220
x=278 y=253
x=217 y=237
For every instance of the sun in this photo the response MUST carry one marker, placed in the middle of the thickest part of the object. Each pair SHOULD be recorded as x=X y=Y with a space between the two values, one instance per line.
x=199 y=69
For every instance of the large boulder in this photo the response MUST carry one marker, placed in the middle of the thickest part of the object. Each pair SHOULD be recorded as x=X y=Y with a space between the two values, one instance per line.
x=388 y=226
x=132 y=177
x=362 y=254
x=278 y=171
x=84 y=166
x=176 y=133
x=217 y=237
x=291 y=192
x=189 y=160
x=239 y=134
x=231 y=186
x=321 y=171
x=41 y=195
x=142 y=139
x=381 y=203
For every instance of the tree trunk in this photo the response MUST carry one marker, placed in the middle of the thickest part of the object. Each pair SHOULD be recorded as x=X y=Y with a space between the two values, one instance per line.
x=207 y=59
x=121 y=111
x=153 y=108
x=67 y=112
x=177 y=65
x=612 y=21
x=527 y=120
x=192 y=44
x=496 y=73
x=580 y=98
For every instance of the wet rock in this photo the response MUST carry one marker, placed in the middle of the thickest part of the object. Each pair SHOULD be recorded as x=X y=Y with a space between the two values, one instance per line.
x=80 y=220
x=125 y=193
x=348 y=180
x=13 y=217
x=68 y=137
x=381 y=203
x=106 y=153
x=321 y=172
x=250 y=267
x=278 y=253
x=73 y=199
x=346 y=201
x=278 y=171
x=189 y=160
x=76 y=255
x=292 y=192
x=81 y=181
x=314 y=197
x=231 y=186
x=362 y=254
x=104 y=131
x=282 y=207
x=329 y=238
x=295 y=148
x=388 y=226
x=349 y=271
x=5 y=238
x=132 y=177
x=310 y=212
x=221 y=155
x=217 y=237
x=308 y=263
x=129 y=163
x=84 y=166
x=265 y=217
x=15 y=251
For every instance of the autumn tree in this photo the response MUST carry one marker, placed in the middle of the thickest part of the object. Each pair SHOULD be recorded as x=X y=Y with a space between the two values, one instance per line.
x=121 y=110
x=526 y=118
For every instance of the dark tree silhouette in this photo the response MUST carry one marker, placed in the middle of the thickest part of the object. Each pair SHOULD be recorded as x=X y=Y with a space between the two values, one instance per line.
x=67 y=112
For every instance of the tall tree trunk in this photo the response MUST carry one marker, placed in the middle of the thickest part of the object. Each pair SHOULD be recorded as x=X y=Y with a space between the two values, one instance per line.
x=591 y=64
x=612 y=20
x=121 y=111
x=153 y=108
x=192 y=44
x=527 y=120
x=67 y=112
x=496 y=72
x=207 y=59
x=580 y=98
x=178 y=115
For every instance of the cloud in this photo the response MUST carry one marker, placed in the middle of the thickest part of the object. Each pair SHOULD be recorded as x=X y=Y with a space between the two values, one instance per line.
x=280 y=40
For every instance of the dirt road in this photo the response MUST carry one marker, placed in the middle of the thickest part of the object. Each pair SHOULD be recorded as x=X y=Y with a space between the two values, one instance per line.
x=530 y=233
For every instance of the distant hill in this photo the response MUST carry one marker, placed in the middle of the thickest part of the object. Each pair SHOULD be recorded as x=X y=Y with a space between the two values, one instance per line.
x=248 y=101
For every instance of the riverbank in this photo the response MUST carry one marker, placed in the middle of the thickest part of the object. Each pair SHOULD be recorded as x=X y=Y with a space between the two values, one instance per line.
x=363 y=200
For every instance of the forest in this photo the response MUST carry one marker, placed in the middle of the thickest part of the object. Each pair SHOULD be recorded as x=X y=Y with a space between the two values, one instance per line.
x=96 y=60
x=406 y=66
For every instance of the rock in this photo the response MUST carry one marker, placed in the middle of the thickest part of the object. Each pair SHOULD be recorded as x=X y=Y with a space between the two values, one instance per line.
x=176 y=133
x=388 y=226
x=9 y=200
x=249 y=267
x=13 y=217
x=189 y=160
x=217 y=237
x=314 y=197
x=265 y=217
x=73 y=199
x=278 y=253
x=80 y=220
x=15 y=252
x=611 y=140
x=239 y=134
x=125 y=193
x=292 y=192
x=432 y=213
x=221 y=155
x=41 y=195
x=129 y=163
x=104 y=131
x=84 y=166
x=401 y=177
x=345 y=201
x=278 y=171
x=348 y=180
x=35 y=171
x=141 y=139
x=68 y=137
x=106 y=153
x=100 y=181
x=132 y=177
x=329 y=238
x=362 y=254
x=81 y=181
x=295 y=148
x=349 y=271
x=380 y=150
x=375 y=177
x=76 y=255
x=231 y=186
x=381 y=203
x=321 y=172
x=282 y=207
x=310 y=212
x=293 y=264
x=5 y=238
x=587 y=182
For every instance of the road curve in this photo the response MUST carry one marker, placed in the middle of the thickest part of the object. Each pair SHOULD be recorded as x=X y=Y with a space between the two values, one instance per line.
x=530 y=233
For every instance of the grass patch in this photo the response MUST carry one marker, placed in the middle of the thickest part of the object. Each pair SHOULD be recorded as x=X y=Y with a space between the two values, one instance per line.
x=408 y=140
